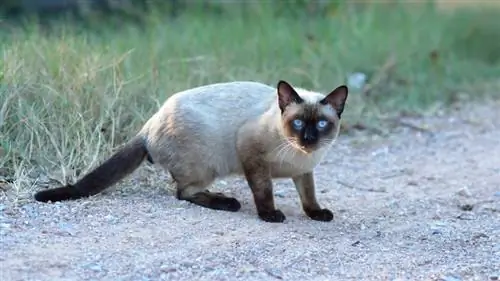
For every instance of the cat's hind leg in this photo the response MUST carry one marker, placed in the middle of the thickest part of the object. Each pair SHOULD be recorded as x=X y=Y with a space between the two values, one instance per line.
x=192 y=180
x=197 y=193
x=211 y=200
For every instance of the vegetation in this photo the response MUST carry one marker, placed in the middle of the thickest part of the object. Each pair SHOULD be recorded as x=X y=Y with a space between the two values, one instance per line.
x=71 y=94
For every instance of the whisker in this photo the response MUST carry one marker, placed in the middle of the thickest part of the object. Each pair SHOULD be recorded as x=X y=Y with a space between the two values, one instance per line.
x=284 y=147
x=282 y=152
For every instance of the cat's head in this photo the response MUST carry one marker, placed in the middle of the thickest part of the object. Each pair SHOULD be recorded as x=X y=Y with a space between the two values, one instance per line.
x=310 y=120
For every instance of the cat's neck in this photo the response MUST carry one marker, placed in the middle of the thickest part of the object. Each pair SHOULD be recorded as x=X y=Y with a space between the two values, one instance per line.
x=271 y=123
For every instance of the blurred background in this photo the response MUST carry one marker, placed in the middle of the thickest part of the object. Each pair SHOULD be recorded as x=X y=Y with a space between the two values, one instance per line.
x=78 y=77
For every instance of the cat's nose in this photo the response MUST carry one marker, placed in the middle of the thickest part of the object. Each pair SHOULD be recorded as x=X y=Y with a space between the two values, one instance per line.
x=309 y=138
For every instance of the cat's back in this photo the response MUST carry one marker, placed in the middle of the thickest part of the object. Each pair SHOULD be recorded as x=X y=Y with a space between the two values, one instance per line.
x=221 y=106
x=241 y=97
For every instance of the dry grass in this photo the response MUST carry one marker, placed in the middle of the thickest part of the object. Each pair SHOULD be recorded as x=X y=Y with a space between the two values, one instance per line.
x=68 y=98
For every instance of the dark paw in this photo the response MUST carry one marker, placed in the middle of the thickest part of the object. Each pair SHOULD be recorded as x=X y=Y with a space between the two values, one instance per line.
x=320 y=215
x=226 y=204
x=272 y=216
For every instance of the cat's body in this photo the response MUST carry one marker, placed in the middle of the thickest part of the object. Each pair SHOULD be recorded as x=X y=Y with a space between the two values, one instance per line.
x=190 y=121
x=235 y=128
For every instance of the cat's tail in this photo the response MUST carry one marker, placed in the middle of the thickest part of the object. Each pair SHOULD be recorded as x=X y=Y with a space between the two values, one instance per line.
x=122 y=163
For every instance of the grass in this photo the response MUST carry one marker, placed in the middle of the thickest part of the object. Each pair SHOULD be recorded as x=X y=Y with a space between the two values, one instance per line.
x=70 y=97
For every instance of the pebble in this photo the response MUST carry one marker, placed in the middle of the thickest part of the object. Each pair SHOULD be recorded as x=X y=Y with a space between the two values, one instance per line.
x=450 y=278
x=167 y=268
x=247 y=269
x=279 y=193
x=67 y=228
x=467 y=207
x=437 y=228
x=94 y=267
x=187 y=264
x=465 y=192
x=4 y=228
x=274 y=273
x=110 y=218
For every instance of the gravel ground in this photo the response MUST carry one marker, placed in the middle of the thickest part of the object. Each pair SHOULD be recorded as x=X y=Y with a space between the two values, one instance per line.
x=422 y=204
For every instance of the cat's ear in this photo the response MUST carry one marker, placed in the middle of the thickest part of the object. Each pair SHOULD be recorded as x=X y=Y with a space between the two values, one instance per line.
x=337 y=99
x=287 y=95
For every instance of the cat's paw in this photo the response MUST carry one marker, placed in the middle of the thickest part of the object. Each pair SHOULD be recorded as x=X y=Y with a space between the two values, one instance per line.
x=320 y=214
x=226 y=204
x=272 y=216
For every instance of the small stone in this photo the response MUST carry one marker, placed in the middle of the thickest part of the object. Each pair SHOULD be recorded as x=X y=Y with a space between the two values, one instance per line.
x=412 y=183
x=450 y=278
x=466 y=207
x=274 y=273
x=480 y=235
x=465 y=217
x=247 y=269
x=187 y=264
x=94 y=267
x=465 y=192
x=4 y=225
x=166 y=268
x=437 y=228
x=109 y=217
x=494 y=277
x=436 y=232
x=279 y=193
x=208 y=269
x=67 y=229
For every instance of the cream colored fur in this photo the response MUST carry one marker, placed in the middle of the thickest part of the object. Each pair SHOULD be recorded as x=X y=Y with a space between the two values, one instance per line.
x=198 y=134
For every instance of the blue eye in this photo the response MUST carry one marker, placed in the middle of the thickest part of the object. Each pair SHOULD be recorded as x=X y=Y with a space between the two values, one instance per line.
x=322 y=124
x=297 y=123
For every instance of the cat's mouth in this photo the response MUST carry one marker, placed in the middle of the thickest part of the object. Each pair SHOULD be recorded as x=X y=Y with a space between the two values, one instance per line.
x=305 y=148
x=310 y=148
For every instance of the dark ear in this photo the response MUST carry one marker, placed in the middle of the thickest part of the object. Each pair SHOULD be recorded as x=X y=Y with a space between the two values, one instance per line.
x=287 y=95
x=337 y=99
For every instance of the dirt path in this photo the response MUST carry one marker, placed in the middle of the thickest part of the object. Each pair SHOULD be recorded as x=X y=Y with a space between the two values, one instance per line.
x=402 y=205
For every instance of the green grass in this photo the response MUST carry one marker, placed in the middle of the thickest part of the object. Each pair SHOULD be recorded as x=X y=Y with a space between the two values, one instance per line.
x=69 y=98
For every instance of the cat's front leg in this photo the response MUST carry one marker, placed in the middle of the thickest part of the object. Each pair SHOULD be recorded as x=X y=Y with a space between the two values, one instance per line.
x=258 y=176
x=306 y=188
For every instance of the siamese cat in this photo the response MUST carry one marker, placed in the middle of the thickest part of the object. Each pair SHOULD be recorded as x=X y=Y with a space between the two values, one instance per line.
x=234 y=128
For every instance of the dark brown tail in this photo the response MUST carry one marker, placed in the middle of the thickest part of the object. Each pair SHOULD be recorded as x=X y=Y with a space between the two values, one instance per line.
x=122 y=163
